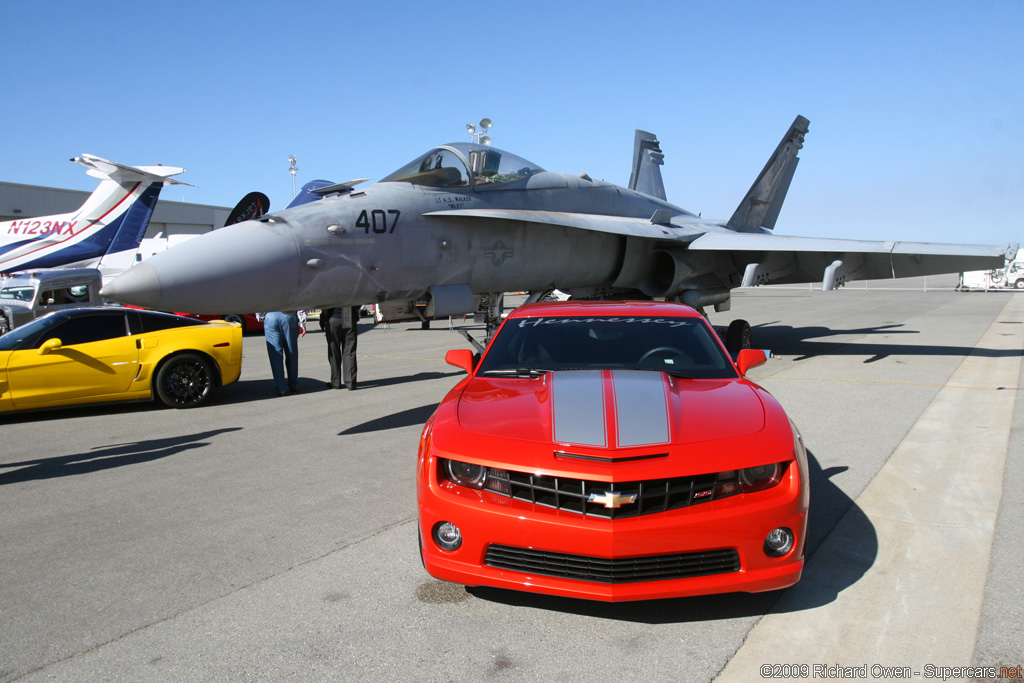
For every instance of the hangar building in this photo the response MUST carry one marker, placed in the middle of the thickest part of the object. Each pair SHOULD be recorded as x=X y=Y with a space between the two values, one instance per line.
x=170 y=218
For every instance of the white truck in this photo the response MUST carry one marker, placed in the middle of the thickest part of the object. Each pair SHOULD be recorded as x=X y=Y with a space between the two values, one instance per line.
x=1011 y=276
x=1014 y=272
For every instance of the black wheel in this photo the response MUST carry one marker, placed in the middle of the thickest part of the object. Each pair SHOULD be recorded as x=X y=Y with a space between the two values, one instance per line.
x=184 y=381
x=738 y=336
x=235 y=318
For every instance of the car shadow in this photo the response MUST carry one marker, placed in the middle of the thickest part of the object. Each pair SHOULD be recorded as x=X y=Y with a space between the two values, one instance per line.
x=247 y=390
x=403 y=418
x=802 y=342
x=105 y=458
x=820 y=584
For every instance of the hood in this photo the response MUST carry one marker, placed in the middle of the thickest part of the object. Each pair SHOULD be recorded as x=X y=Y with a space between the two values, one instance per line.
x=610 y=408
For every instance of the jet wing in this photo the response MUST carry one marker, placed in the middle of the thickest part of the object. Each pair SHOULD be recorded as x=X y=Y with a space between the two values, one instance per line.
x=781 y=259
x=770 y=258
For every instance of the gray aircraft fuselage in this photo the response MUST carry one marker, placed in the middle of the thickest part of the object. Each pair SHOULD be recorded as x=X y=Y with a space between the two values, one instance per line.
x=382 y=243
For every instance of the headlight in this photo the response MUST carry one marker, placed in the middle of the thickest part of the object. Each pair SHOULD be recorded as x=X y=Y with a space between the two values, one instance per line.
x=465 y=473
x=476 y=476
x=757 y=478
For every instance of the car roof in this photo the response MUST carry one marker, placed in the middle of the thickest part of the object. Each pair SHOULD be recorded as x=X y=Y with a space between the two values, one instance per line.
x=56 y=274
x=84 y=310
x=604 y=308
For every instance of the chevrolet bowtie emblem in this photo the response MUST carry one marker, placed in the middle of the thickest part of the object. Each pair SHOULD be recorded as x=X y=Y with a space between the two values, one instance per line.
x=611 y=499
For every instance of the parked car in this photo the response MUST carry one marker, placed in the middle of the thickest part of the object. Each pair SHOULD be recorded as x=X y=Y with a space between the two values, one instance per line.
x=91 y=355
x=611 y=451
x=28 y=295
x=248 y=321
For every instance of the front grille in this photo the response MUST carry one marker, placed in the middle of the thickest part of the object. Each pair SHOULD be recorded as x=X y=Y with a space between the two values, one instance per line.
x=573 y=495
x=621 y=570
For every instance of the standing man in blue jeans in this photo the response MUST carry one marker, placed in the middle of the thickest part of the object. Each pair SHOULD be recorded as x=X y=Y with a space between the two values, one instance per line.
x=282 y=330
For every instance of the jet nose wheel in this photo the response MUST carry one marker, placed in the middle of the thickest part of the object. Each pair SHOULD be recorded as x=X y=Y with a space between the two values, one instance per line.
x=738 y=336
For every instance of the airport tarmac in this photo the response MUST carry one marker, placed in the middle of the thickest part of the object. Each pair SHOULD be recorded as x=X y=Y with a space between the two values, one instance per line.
x=273 y=539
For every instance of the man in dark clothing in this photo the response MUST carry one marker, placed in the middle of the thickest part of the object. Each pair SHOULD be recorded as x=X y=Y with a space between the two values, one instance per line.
x=339 y=326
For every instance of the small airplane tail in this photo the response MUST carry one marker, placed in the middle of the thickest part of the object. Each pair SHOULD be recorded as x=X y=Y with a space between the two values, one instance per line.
x=112 y=219
x=762 y=203
x=118 y=240
x=647 y=159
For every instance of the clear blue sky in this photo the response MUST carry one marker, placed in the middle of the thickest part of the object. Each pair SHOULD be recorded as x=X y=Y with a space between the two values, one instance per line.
x=915 y=107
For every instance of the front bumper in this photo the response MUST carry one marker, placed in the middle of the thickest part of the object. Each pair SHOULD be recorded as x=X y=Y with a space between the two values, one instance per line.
x=714 y=547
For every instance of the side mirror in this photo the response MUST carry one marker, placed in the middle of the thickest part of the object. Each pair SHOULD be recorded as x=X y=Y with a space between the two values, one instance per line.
x=48 y=346
x=460 y=358
x=750 y=358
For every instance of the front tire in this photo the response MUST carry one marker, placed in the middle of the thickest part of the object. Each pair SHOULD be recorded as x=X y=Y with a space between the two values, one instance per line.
x=184 y=381
x=1019 y=284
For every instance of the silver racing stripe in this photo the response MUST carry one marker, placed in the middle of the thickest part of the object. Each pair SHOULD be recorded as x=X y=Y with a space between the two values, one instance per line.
x=577 y=405
x=641 y=407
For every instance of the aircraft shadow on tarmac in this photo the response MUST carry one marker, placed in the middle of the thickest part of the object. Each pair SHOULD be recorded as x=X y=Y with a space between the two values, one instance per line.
x=819 y=585
x=785 y=340
x=105 y=458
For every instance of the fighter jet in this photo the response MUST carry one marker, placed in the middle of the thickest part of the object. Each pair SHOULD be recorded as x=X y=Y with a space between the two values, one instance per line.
x=465 y=222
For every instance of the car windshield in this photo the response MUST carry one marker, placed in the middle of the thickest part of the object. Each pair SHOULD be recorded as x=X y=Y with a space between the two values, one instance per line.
x=18 y=292
x=23 y=337
x=446 y=167
x=682 y=347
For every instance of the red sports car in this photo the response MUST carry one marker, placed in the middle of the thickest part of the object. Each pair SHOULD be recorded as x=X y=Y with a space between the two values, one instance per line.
x=248 y=321
x=611 y=451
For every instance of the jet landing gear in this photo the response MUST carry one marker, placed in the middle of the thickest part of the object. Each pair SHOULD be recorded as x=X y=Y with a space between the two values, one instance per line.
x=488 y=311
x=738 y=336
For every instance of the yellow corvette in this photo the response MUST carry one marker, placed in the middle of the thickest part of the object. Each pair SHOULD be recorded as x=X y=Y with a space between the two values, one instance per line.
x=96 y=355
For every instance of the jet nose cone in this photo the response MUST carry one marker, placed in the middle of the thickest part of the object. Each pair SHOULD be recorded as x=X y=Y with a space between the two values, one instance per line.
x=243 y=268
x=138 y=285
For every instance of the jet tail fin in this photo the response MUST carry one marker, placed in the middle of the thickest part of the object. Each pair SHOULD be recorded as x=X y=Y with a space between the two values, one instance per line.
x=647 y=157
x=762 y=203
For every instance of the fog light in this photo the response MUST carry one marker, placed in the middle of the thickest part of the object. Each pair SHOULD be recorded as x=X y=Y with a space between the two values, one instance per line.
x=447 y=536
x=778 y=542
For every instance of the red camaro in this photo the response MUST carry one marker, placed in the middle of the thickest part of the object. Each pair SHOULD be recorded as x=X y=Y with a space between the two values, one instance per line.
x=611 y=451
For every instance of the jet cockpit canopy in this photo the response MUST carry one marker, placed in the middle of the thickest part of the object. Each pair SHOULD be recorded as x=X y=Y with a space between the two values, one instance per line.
x=464 y=164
